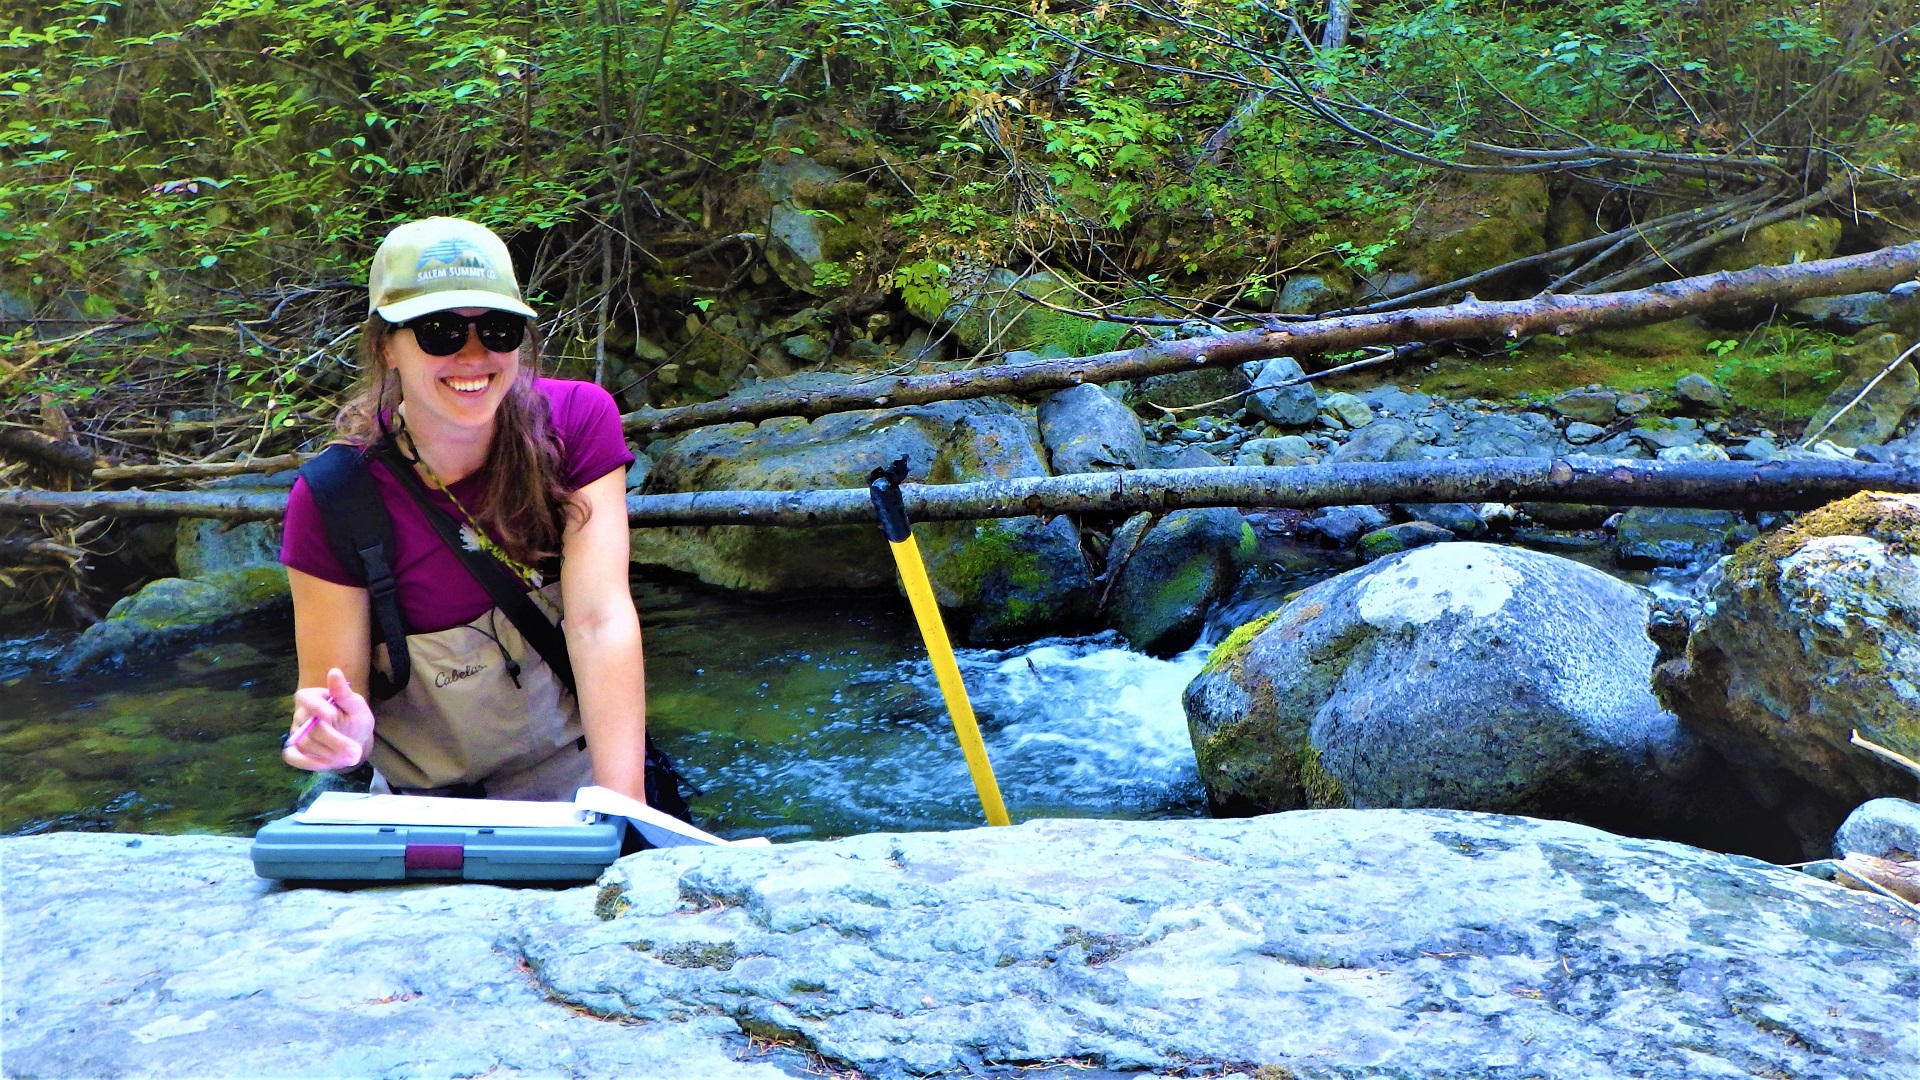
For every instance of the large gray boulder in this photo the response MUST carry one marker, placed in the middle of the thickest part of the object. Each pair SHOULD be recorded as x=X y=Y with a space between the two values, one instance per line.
x=1004 y=576
x=1460 y=675
x=1804 y=637
x=1086 y=429
x=1168 y=573
x=1321 y=945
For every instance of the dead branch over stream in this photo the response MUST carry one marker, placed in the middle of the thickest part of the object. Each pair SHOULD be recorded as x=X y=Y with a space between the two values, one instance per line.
x=1730 y=485
x=1507 y=319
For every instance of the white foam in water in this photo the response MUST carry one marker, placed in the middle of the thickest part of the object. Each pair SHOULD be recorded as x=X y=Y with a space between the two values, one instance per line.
x=1088 y=724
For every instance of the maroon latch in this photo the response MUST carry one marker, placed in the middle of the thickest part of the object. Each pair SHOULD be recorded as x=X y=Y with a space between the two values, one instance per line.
x=436 y=856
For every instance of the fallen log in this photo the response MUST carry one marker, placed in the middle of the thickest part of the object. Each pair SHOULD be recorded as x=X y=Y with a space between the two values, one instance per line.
x=1728 y=485
x=1470 y=319
x=47 y=450
x=182 y=473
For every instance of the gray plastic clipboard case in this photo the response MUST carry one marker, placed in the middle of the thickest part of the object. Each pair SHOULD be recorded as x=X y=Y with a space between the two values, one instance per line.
x=291 y=850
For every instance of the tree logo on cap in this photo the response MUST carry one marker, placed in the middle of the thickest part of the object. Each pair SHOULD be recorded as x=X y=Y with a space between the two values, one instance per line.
x=453 y=257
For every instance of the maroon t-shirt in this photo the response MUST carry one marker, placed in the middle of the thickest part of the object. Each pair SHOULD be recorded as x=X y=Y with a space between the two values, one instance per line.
x=436 y=591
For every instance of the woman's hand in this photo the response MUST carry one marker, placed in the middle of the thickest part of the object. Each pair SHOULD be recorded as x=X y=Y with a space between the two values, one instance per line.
x=333 y=725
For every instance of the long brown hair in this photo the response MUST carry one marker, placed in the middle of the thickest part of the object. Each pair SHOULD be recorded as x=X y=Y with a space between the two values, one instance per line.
x=525 y=504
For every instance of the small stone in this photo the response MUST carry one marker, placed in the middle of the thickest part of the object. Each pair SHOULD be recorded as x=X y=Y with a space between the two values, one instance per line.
x=1880 y=828
x=1342 y=525
x=1407 y=534
x=1590 y=406
x=1699 y=392
x=1580 y=433
x=1757 y=450
x=1700 y=451
x=806 y=348
x=1352 y=411
x=1633 y=404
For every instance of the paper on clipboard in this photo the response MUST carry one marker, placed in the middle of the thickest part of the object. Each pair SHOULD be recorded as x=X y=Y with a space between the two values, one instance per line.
x=659 y=829
x=360 y=808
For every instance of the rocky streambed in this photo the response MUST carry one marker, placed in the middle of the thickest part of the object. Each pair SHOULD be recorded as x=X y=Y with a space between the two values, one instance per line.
x=1315 y=944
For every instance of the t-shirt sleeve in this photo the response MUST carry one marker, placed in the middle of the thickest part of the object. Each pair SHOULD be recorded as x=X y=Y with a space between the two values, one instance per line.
x=303 y=540
x=588 y=422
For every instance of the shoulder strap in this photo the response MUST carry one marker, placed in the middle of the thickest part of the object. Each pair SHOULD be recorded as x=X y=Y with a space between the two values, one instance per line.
x=506 y=589
x=361 y=535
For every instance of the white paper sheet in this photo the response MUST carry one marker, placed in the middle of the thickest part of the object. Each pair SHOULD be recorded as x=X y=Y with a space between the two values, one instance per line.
x=359 y=808
x=659 y=829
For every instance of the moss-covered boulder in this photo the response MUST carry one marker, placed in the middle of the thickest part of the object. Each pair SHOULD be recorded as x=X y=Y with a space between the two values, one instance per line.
x=1167 y=573
x=988 y=314
x=1878 y=415
x=227 y=573
x=173 y=612
x=999 y=577
x=1808 y=635
x=822 y=224
x=1006 y=578
x=1456 y=675
x=1796 y=240
x=1467 y=226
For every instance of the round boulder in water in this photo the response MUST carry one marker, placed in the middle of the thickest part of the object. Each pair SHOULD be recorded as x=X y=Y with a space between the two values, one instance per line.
x=1467 y=676
x=1166 y=576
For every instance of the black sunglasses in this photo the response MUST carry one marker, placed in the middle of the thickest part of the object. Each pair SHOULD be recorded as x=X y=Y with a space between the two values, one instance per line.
x=444 y=333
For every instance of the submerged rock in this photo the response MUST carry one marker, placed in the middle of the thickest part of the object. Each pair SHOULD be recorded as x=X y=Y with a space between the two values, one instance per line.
x=1327 y=944
x=1676 y=536
x=1460 y=675
x=1807 y=635
x=228 y=573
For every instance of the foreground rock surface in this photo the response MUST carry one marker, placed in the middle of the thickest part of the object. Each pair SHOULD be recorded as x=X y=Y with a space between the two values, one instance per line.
x=1327 y=943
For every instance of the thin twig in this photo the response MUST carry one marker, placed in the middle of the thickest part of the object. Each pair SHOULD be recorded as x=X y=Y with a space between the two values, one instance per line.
x=1897 y=758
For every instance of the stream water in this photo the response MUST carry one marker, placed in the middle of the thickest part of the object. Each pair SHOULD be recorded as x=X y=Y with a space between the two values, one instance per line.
x=800 y=719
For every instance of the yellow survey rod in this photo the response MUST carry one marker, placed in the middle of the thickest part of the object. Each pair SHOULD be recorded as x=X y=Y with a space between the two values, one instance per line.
x=884 y=485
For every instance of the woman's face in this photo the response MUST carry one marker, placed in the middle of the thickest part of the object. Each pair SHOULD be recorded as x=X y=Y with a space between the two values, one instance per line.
x=464 y=389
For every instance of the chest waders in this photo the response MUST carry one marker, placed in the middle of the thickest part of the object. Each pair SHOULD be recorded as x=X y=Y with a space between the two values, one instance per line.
x=483 y=709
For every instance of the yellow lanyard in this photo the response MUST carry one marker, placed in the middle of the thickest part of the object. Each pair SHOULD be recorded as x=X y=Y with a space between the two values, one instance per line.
x=471 y=534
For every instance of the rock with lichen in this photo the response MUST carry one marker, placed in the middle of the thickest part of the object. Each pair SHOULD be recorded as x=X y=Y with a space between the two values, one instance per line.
x=1019 y=575
x=1460 y=675
x=1167 y=573
x=1807 y=635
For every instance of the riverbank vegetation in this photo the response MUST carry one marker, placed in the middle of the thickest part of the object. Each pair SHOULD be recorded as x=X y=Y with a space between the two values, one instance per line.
x=189 y=189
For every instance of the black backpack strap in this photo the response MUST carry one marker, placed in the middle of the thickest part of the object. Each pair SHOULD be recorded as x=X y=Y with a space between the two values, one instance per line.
x=360 y=533
x=505 y=587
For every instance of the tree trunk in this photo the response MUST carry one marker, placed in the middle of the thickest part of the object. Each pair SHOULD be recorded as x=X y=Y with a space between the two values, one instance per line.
x=1470 y=319
x=1339 y=17
x=1730 y=485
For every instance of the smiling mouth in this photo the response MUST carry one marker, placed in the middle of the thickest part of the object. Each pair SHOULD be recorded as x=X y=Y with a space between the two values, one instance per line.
x=476 y=385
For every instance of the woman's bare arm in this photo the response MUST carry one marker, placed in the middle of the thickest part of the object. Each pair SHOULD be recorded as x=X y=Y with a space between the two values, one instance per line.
x=603 y=636
x=333 y=634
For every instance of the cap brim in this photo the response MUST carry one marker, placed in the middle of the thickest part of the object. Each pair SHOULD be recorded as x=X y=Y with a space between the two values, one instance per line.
x=414 y=307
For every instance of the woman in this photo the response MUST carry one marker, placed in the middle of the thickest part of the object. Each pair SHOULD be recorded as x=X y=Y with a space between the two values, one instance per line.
x=456 y=421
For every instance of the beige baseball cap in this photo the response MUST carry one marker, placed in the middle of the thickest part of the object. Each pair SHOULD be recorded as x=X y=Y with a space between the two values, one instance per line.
x=441 y=263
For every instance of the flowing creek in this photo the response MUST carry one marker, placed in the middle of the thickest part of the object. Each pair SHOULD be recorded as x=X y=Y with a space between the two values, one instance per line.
x=801 y=719
x=793 y=720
